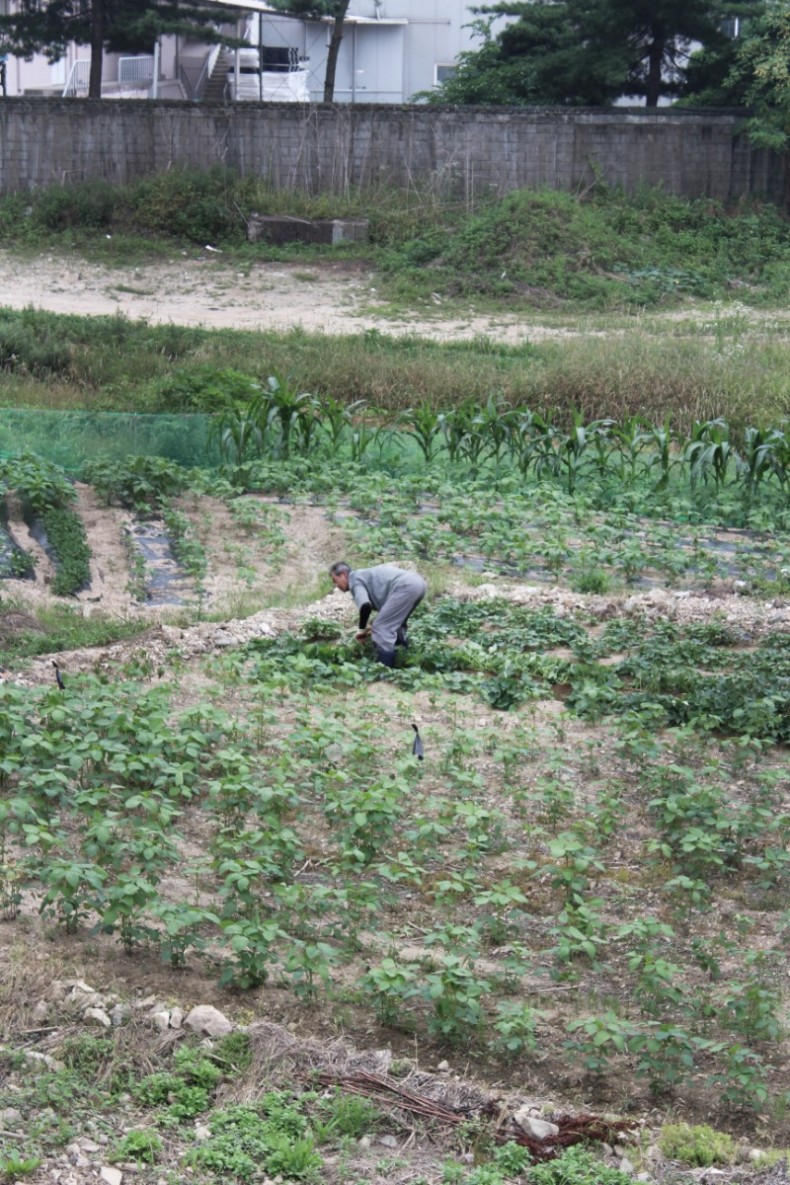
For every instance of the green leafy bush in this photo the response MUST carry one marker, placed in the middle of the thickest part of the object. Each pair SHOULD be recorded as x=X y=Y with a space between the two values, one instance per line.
x=87 y=205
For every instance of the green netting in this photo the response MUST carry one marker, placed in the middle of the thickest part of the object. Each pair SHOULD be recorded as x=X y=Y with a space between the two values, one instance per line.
x=70 y=438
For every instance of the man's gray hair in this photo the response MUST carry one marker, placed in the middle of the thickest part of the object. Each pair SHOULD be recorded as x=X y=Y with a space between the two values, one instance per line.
x=339 y=568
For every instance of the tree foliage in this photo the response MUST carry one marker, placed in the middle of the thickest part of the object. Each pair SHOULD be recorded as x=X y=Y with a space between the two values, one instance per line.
x=319 y=10
x=583 y=52
x=761 y=73
x=130 y=26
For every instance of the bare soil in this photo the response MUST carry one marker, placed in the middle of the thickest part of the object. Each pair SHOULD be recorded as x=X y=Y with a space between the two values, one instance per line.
x=331 y=298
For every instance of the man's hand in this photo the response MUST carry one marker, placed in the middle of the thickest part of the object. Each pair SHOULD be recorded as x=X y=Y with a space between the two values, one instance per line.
x=361 y=635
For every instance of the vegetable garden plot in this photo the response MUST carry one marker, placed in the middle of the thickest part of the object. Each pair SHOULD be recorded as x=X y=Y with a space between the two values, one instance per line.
x=15 y=563
x=163 y=580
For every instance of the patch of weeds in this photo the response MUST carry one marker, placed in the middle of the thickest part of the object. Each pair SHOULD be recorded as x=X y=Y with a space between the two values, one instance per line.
x=696 y=1144
x=339 y=1116
x=181 y=1099
x=13 y=1165
x=86 y=1052
x=272 y=1136
x=577 y=1166
x=140 y=1146
x=592 y=580
x=233 y=1053
x=61 y=628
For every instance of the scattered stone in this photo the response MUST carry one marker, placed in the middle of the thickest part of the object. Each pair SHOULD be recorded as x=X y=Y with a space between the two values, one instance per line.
x=364 y=1142
x=44 y=1059
x=206 y=1019
x=538 y=1129
x=99 y=1017
x=161 y=1020
x=110 y=1175
x=176 y=1018
x=388 y=1141
x=9 y=1116
x=120 y=1014
x=41 y=1012
x=202 y=1132
x=443 y=1068
x=80 y=988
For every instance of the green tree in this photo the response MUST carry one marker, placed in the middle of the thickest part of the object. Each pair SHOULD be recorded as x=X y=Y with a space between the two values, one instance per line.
x=711 y=79
x=582 y=52
x=336 y=11
x=761 y=75
x=132 y=26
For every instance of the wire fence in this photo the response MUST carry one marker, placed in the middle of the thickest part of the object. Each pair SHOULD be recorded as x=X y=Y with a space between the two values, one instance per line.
x=70 y=438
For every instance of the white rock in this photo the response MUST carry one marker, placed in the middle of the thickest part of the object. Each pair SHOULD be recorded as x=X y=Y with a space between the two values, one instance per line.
x=80 y=987
x=625 y=1166
x=539 y=1129
x=223 y=638
x=120 y=1014
x=40 y=1012
x=207 y=1019
x=388 y=1141
x=364 y=1141
x=176 y=1018
x=52 y=1063
x=99 y=1017
x=161 y=1020
x=443 y=1068
x=110 y=1175
x=9 y=1116
x=202 y=1132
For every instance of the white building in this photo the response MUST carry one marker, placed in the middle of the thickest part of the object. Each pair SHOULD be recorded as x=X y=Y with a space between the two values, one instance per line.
x=391 y=50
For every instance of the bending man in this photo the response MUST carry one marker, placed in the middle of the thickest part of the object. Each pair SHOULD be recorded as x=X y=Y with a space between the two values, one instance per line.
x=392 y=592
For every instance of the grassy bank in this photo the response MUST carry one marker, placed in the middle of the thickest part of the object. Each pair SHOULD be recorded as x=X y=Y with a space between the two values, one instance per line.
x=715 y=365
x=600 y=250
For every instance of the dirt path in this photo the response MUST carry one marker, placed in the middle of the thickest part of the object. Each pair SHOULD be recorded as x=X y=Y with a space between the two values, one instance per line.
x=209 y=292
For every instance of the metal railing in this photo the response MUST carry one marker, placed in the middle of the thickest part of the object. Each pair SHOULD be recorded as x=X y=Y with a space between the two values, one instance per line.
x=199 y=88
x=78 y=79
x=136 y=73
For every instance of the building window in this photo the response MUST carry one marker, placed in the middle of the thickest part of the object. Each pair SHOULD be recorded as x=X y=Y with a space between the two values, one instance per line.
x=731 y=26
x=279 y=59
x=442 y=71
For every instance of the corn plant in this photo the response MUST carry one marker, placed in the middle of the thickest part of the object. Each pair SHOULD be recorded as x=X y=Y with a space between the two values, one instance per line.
x=337 y=419
x=709 y=453
x=424 y=425
x=294 y=412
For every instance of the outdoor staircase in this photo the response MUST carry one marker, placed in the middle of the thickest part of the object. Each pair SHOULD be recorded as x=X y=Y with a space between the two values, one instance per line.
x=217 y=81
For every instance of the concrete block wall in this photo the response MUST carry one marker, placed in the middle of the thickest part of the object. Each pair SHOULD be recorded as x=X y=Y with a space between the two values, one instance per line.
x=463 y=152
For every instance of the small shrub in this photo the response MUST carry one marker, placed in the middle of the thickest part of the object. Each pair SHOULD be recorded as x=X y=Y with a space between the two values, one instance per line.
x=85 y=206
x=696 y=1144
